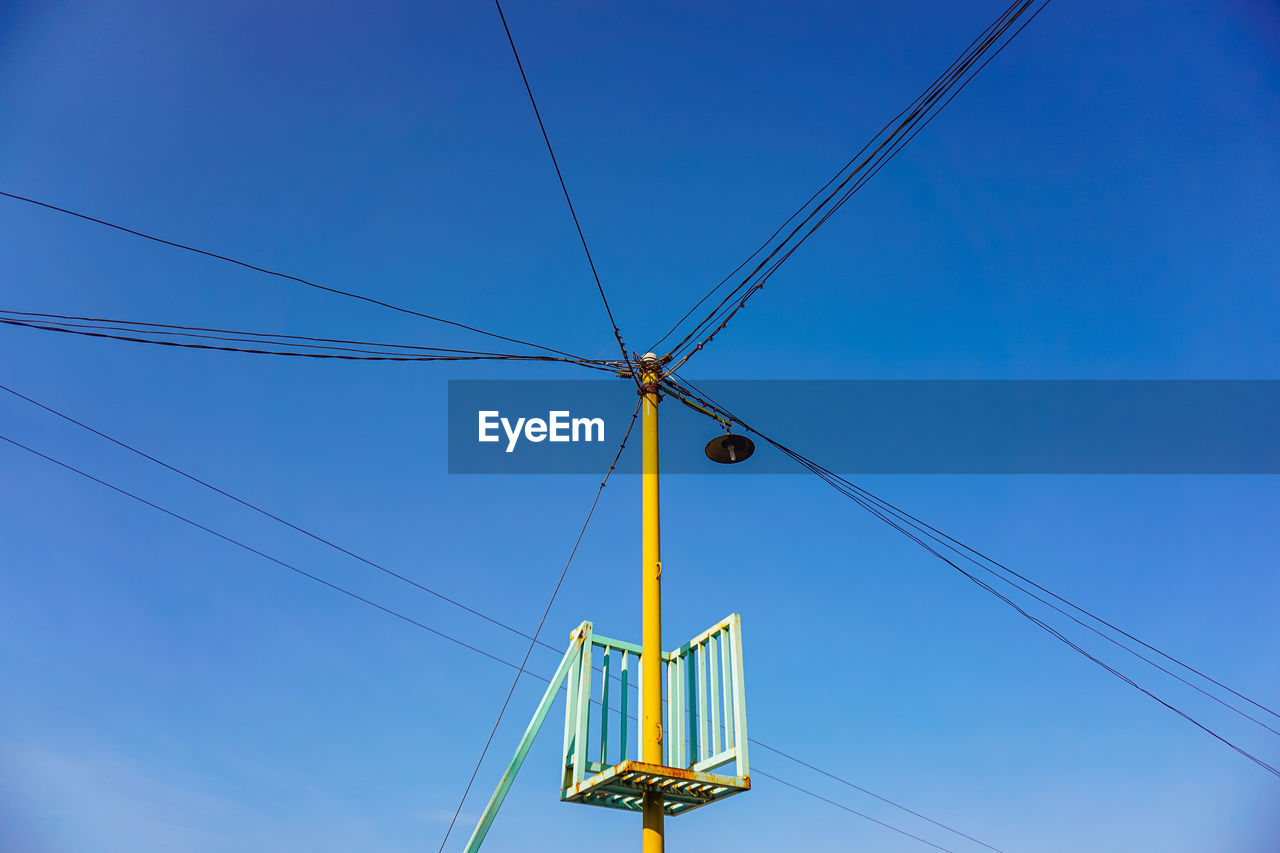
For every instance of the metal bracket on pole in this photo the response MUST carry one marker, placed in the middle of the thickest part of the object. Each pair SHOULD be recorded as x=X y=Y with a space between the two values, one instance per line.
x=495 y=802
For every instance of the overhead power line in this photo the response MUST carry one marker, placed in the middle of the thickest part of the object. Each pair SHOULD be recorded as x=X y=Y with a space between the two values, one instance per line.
x=889 y=142
x=850 y=178
x=876 y=504
x=296 y=354
x=224 y=537
x=541 y=622
x=86 y=217
x=1057 y=634
x=369 y=602
x=268 y=514
x=890 y=515
x=265 y=343
x=869 y=793
x=185 y=330
x=967 y=554
x=758 y=772
x=970 y=554
x=439 y=595
x=617 y=334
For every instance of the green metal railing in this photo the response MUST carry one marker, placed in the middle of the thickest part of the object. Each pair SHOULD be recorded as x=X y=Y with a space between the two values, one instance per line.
x=705 y=726
x=706 y=718
x=706 y=701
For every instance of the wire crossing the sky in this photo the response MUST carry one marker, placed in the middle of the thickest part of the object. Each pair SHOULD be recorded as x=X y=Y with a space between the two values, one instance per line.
x=887 y=142
x=771 y=255
x=265 y=343
x=224 y=537
x=794 y=787
x=420 y=586
x=369 y=299
x=863 y=790
x=543 y=621
x=356 y=596
x=617 y=334
x=520 y=668
x=268 y=514
x=882 y=510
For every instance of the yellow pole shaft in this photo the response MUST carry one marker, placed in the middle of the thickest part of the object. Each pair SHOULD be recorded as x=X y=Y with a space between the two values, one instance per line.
x=651 y=615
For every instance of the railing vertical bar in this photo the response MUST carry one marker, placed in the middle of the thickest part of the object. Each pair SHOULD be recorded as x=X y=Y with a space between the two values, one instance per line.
x=679 y=711
x=704 y=743
x=622 y=722
x=691 y=705
x=713 y=693
x=571 y=703
x=672 y=736
x=639 y=706
x=726 y=688
x=739 y=694
x=671 y=733
x=604 y=707
x=583 y=723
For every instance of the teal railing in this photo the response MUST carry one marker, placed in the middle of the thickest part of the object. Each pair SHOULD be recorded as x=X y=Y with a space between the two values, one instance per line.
x=705 y=720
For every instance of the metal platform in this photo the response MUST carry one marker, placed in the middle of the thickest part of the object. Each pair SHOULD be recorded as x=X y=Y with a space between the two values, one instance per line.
x=623 y=786
x=704 y=726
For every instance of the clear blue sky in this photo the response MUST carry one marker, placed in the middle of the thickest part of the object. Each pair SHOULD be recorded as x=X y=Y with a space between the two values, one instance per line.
x=1100 y=203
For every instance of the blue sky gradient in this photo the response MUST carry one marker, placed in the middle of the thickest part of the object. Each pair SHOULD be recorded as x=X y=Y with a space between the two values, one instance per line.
x=1099 y=204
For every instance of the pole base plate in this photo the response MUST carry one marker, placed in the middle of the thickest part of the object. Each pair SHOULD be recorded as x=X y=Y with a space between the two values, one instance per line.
x=624 y=785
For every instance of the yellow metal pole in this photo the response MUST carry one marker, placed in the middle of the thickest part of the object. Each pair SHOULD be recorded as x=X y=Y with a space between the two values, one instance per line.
x=651 y=615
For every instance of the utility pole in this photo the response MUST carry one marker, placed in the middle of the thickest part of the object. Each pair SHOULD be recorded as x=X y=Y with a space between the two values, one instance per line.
x=651 y=598
x=703 y=677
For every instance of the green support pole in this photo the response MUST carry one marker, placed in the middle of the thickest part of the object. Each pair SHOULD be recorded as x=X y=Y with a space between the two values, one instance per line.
x=495 y=802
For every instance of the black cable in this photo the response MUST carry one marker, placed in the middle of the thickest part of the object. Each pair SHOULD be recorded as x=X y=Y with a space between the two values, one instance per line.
x=861 y=495
x=929 y=532
x=939 y=535
x=916 y=108
x=951 y=544
x=956 y=546
x=617 y=334
x=275 y=337
x=801 y=209
x=834 y=480
x=286 y=353
x=844 y=781
x=878 y=164
x=278 y=274
x=520 y=668
x=239 y=337
x=758 y=772
x=441 y=596
x=267 y=513
x=253 y=550
x=924 y=111
x=881 y=155
x=1063 y=638
x=545 y=613
x=919 y=108
x=845 y=485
